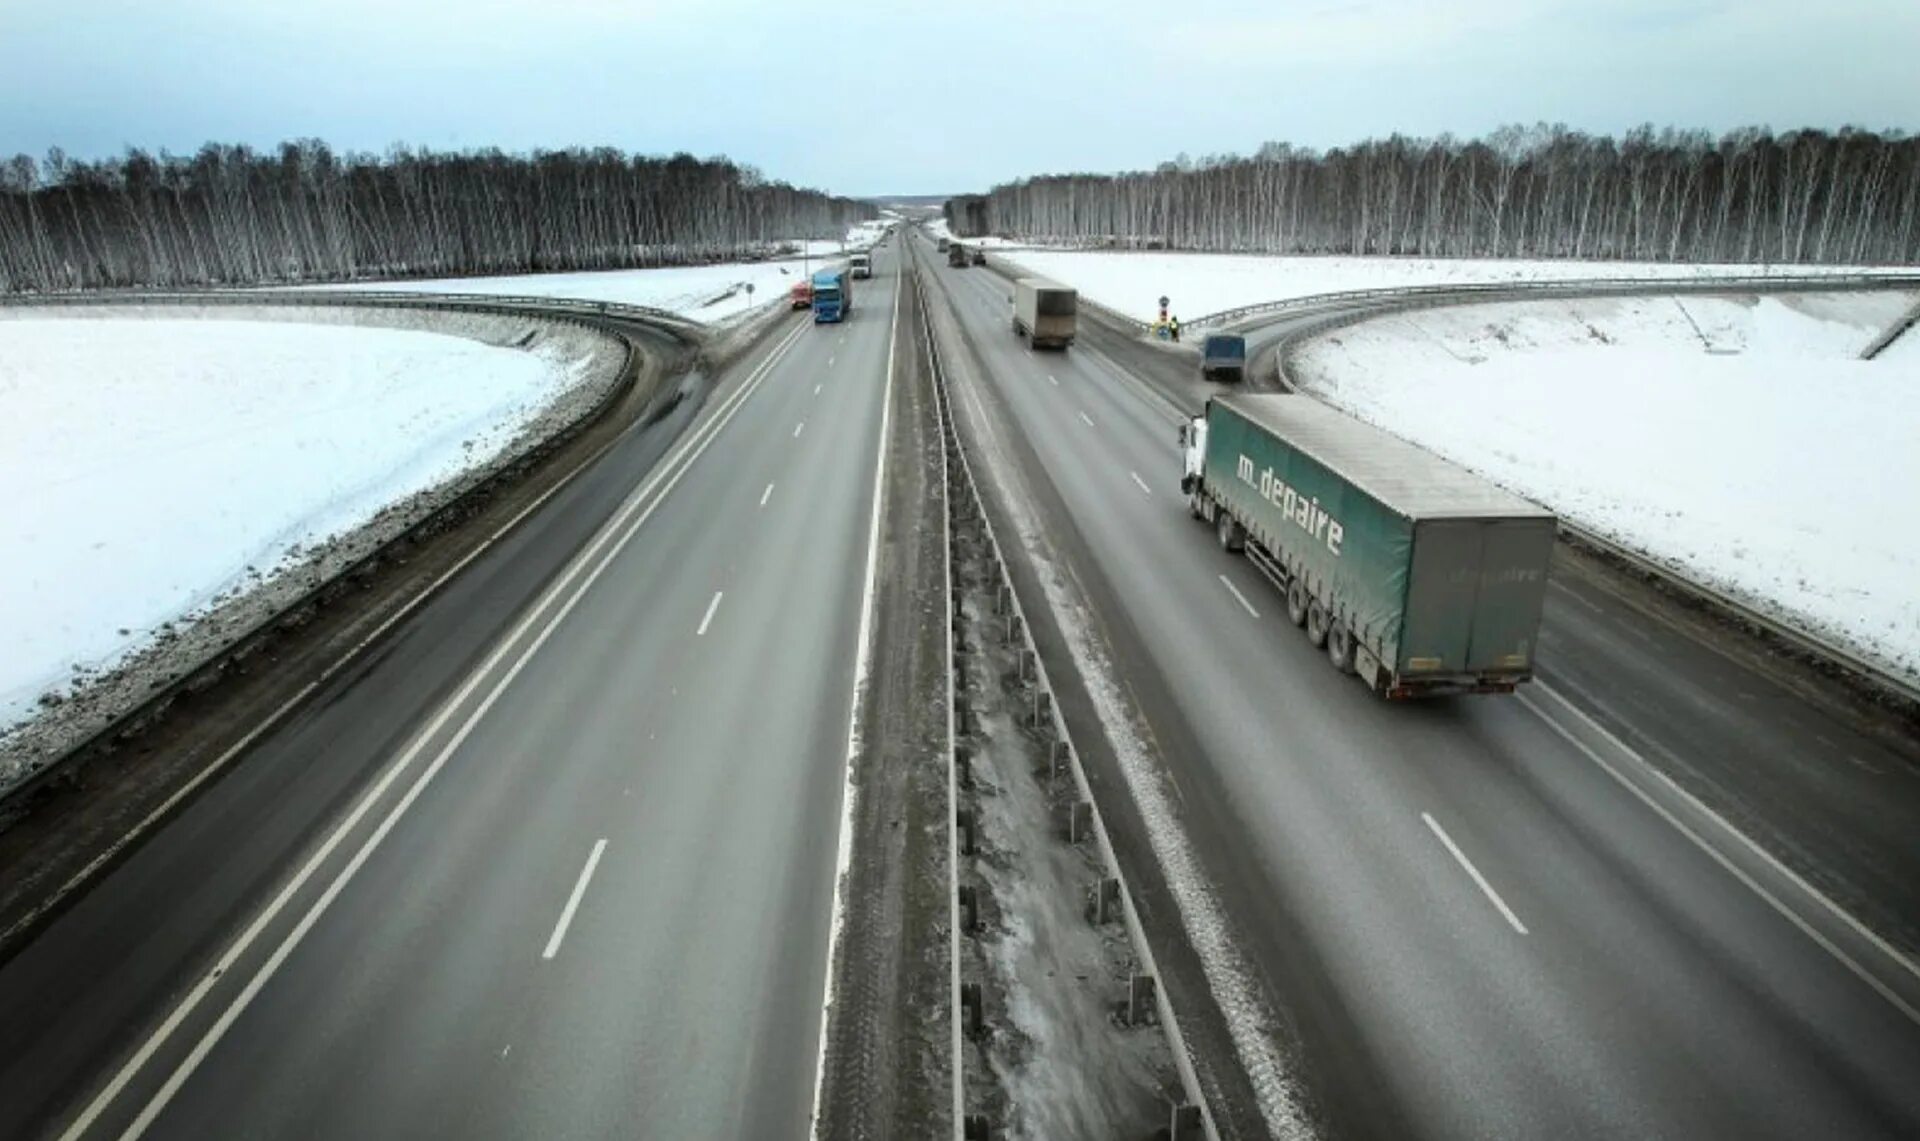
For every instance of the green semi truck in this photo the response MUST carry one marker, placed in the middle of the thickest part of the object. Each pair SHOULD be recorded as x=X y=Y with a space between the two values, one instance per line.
x=1414 y=573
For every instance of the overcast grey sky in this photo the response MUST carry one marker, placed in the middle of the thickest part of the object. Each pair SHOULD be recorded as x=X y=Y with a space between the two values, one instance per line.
x=870 y=97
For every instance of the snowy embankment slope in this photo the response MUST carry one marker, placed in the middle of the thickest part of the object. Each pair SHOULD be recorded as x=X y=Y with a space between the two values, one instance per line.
x=1197 y=284
x=159 y=468
x=1738 y=440
x=711 y=294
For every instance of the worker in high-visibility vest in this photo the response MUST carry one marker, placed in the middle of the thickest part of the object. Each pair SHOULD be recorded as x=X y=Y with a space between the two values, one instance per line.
x=1173 y=327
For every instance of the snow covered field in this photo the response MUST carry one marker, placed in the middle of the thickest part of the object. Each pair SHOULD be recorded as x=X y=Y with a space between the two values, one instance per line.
x=1739 y=440
x=157 y=467
x=1197 y=284
x=711 y=294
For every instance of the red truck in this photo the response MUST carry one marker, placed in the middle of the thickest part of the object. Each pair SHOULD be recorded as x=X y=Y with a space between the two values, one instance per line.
x=801 y=294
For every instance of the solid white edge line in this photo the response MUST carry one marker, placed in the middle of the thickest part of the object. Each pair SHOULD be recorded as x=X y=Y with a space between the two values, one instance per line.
x=573 y=900
x=861 y=664
x=766 y=495
x=707 y=618
x=662 y=481
x=1860 y=929
x=1241 y=598
x=1141 y=482
x=1485 y=887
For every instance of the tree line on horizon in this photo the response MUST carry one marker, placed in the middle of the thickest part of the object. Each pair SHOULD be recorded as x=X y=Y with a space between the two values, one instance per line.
x=230 y=215
x=1749 y=196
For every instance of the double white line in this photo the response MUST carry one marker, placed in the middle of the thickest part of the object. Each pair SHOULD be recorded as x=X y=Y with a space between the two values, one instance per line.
x=520 y=644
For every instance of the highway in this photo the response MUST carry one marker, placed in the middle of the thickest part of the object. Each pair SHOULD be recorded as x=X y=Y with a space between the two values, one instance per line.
x=1485 y=917
x=556 y=859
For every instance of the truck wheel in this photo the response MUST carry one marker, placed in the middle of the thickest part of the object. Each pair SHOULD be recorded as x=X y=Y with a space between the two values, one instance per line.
x=1296 y=603
x=1340 y=646
x=1232 y=538
x=1316 y=624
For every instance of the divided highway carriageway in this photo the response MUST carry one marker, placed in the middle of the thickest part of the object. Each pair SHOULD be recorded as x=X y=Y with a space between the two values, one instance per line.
x=558 y=854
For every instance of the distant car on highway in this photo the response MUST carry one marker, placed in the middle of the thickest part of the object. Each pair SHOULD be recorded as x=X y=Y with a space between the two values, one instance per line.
x=978 y=255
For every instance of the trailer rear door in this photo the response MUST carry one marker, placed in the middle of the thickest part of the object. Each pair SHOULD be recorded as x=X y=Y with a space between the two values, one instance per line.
x=1513 y=584
x=1440 y=598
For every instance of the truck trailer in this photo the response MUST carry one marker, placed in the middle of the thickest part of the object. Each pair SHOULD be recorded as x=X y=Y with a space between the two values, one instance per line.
x=957 y=254
x=832 y=296
x=1044 y=312
x=1409 y=570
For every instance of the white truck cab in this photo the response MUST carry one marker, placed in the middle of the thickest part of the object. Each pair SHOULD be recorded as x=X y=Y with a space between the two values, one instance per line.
x=1193 y=444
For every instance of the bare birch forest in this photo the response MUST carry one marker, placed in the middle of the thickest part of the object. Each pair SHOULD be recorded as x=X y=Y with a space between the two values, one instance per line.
x=229 y=215
x=1847 y=197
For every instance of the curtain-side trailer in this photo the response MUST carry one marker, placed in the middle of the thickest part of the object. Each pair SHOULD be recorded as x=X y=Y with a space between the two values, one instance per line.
x=1409 y=570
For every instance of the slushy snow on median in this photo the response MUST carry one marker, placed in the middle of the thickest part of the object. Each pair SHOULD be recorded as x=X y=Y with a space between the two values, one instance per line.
x=156 y=467
x=1739 y=440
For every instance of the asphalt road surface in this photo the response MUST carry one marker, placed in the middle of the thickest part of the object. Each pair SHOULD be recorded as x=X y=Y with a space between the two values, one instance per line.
x=1492 y=917
x=556 y=860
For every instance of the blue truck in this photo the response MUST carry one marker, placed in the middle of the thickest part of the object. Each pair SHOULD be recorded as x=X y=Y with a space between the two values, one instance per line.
x=832 y=295
x=1223 y=356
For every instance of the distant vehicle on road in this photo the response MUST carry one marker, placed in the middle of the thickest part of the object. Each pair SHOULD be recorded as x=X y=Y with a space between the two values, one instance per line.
x=1411 y=571
x=940 y=244
x=861 y=265
x=957 y=254
x=1045 y=312
x=832 y=296
x=977 y=255
x=801 y=295
x=1223 y=356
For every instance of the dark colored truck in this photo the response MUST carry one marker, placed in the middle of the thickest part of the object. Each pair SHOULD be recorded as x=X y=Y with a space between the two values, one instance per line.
x=957 y=254
x=1409 y=570
x=1223 y=356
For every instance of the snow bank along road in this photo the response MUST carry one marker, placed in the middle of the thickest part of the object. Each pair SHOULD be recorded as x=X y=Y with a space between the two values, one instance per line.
x=1669 y=890
x=1739 y=439
x=249 y=441
x=556 y=860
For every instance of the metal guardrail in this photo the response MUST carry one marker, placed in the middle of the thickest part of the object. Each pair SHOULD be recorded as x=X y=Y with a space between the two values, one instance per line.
x=965 y=490
x=1592 y=286
x=363 y=298
x=1800 y=640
